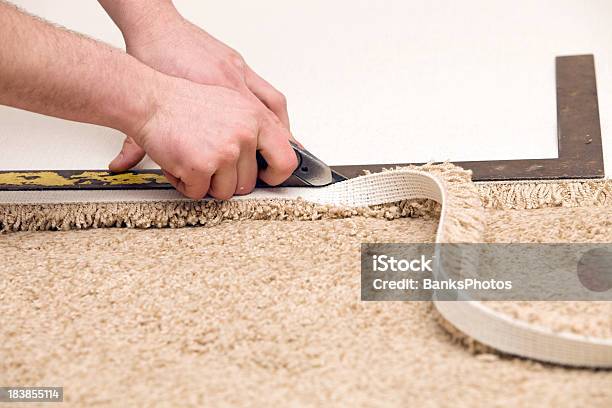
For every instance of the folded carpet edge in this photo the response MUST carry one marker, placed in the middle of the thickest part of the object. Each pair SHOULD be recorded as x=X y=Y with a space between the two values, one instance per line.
x=177 y=214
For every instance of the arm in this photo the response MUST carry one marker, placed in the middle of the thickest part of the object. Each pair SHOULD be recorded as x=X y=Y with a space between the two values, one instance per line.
x=135 y=17
x=203 y=137
x=157 y=35
x=55 y=72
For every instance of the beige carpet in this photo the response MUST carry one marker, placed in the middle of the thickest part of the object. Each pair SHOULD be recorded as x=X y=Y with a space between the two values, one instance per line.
x=267 y=311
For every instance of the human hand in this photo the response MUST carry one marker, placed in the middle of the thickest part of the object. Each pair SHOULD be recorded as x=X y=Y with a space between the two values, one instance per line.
x=174 y=46
x=205 y=139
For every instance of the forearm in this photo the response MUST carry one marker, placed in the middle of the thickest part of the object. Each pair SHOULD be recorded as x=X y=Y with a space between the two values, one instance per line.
x=55 y=72
x=136 y=18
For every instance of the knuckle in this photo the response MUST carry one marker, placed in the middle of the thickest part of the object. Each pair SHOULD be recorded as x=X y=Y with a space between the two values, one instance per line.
x=229 y=154
x=279 y=100
x=246 y=138
x=236 y=60
x=199 y=169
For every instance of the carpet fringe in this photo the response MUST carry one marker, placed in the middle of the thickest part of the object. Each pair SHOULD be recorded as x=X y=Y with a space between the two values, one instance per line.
x=525 y=195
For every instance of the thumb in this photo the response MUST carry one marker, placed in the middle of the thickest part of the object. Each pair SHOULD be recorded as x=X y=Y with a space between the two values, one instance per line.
x=273 y=145
x=129 y=156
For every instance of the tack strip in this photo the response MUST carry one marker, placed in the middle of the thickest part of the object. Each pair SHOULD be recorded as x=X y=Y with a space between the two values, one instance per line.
x=462 y=220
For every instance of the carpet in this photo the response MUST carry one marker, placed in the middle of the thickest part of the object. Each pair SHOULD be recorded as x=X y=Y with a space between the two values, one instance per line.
x=260 y=304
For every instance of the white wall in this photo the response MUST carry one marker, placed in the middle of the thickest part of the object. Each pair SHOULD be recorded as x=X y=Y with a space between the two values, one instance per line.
x=370 y=81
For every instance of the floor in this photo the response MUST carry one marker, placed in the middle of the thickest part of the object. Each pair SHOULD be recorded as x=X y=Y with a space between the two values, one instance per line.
x=398 y=81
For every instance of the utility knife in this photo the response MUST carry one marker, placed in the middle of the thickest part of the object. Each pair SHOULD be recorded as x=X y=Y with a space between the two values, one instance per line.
x=310 y=172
